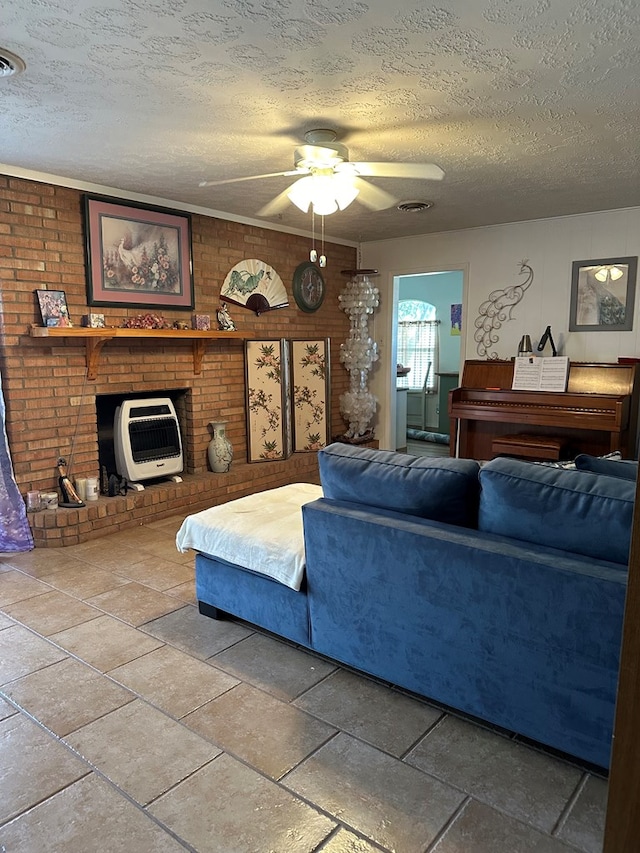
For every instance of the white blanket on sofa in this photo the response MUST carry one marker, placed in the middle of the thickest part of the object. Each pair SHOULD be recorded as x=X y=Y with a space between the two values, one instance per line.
x=261 y=532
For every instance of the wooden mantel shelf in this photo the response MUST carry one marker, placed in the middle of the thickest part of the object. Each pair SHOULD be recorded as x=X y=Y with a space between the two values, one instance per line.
x=95 y=339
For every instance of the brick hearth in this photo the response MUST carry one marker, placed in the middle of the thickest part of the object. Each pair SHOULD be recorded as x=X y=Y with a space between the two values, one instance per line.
x=54 y=528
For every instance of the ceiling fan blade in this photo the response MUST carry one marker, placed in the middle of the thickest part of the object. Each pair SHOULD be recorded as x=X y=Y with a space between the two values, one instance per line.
x=373 y=197
x=276 y=204
x=254 y=177
x=424 y=171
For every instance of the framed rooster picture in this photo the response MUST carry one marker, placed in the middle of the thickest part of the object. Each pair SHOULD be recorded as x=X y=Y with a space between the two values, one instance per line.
x=136 y=255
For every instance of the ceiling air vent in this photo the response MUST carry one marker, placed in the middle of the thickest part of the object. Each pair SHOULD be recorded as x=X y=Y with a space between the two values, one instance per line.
x=414 y=206
x=10 y=64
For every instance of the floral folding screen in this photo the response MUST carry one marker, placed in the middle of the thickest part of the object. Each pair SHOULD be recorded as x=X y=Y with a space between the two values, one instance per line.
x=310 y=384
x=268 y=408
x=287 y=397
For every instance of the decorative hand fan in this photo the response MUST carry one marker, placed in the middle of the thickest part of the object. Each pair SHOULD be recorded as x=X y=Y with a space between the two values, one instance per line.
x=254 y=285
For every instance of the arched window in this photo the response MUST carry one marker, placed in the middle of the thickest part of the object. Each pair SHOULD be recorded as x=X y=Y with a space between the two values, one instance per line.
x=418 y=344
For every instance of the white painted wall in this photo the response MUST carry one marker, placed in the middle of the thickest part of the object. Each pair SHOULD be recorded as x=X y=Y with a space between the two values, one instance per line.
x=490 y=258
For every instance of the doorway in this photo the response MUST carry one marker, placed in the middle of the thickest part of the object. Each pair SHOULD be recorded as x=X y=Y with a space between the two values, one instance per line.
x=435 y=298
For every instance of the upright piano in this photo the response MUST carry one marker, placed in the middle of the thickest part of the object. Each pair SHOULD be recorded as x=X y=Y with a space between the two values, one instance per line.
x=597 y=414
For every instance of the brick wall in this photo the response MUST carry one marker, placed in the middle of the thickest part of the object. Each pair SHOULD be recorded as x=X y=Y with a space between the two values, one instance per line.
x=46 y=392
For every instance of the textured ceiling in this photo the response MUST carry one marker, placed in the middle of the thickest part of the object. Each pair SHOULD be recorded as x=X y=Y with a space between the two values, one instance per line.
x=530 y=106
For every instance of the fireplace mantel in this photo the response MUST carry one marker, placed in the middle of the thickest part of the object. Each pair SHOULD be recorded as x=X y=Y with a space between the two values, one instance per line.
x=95 y=339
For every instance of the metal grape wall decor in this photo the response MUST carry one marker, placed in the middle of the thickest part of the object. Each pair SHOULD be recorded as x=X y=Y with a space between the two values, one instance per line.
x=496 y=310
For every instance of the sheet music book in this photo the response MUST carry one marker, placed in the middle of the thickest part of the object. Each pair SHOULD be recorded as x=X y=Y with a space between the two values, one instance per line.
x=532 y=373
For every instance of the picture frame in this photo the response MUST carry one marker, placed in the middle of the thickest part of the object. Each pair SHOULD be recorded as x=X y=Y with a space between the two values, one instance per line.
x=53 y=308
x=603 y=295
x=137 y=255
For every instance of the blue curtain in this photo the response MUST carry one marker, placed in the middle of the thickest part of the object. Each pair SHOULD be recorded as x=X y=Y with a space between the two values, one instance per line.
x=15 y=533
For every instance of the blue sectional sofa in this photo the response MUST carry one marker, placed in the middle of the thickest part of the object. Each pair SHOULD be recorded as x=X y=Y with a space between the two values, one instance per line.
x=496 y=590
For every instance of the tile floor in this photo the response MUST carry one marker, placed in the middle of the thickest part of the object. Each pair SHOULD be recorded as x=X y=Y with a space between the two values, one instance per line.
x=128 y=722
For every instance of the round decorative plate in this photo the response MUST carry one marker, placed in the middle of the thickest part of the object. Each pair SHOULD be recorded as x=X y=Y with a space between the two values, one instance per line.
x=308 y=286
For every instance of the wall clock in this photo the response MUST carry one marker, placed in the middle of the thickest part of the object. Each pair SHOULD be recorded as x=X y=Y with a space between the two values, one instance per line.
x=308 y=287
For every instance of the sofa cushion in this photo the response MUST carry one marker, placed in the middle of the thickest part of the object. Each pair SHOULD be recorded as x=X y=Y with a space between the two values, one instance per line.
x=582 y=513
x=624 y=468
x=441 y=489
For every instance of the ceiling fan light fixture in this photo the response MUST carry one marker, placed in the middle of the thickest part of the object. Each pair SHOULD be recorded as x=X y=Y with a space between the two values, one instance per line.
x=300 y=195
x=324 y=192
x=345 y=192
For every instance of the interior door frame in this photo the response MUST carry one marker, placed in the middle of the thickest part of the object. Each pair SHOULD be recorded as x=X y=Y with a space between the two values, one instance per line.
x=393 y=332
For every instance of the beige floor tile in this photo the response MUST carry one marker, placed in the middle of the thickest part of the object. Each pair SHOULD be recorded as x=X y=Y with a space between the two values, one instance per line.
x=346 y=842
x=173 y=681
x=134 y=537
x=87 y=816
x=83 y=580
x=384 y=718
x=170 y=524
x=269 y=734
x=43 y=561
x=229 y=807
x=585 y=825
x=22 y=652
x=274 y=666
x=157 y=573
x=105 y=642
x=187 y=557
x=6 y=709
x=111 y=557
x=165 y=752
x=33 y=765
x=481 y=829
x=52 y=612
x=67 y=695
x=16 y=586
x=185 y=592
x=509 y=776
x=196 y=634
x=135 y=603
x=385 y=800
x=164 y=546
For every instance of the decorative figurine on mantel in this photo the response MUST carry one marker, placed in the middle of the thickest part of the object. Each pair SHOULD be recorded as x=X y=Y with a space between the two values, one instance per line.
x=225 y=323
x=358 y=300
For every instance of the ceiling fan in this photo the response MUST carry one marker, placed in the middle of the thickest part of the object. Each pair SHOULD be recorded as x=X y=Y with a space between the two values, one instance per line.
x=328 y=180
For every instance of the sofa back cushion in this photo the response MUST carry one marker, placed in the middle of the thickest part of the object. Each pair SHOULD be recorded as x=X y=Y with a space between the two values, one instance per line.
x=576 y=511
x=441 y=489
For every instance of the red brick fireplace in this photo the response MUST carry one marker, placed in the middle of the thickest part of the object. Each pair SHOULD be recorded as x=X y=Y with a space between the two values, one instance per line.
x=51 y=404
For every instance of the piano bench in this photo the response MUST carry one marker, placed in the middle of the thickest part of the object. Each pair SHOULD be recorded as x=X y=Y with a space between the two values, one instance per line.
x=528 y=446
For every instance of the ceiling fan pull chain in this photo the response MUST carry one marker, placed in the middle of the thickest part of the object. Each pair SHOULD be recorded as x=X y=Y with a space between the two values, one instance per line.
x=323 y=258
x=313 y=255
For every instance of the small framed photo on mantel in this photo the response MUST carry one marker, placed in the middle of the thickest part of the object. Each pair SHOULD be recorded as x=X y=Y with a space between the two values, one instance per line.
x=53 y=308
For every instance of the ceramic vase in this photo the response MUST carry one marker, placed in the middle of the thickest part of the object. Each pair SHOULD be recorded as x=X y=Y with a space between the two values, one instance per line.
x=220 y=449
